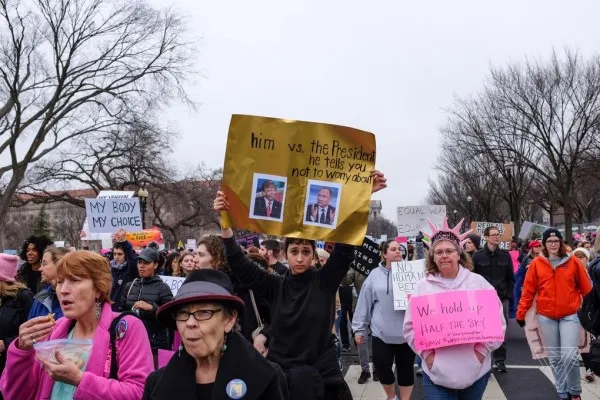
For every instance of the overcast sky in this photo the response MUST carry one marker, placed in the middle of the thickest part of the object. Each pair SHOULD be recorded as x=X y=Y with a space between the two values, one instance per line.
x=389 y=67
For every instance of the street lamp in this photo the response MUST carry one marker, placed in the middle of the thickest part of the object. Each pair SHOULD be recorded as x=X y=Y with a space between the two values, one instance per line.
x=455 y=216
x=143 y=195
x=470 y=200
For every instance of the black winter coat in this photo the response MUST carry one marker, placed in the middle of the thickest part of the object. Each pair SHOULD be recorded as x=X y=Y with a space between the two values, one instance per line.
x=497 y=269
x=13 y=312
x=30 y=278
x=121 y=277
x=264 y=380
x=155 y=292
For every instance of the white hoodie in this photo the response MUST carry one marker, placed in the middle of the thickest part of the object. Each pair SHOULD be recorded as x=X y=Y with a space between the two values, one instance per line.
x=454 y=367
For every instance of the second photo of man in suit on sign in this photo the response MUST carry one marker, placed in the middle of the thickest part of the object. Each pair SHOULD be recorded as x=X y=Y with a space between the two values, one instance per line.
x=322 y=204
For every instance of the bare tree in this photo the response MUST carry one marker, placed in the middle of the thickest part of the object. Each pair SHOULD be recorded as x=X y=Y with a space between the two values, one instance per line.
x=71 y=69
x=67 y=224
x=382 y=226
x=467 y=175
x=535 y=118
x=184 y=207
x=131 y=157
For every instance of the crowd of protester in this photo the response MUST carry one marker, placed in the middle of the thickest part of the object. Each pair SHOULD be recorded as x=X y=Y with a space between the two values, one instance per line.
x=270 y=321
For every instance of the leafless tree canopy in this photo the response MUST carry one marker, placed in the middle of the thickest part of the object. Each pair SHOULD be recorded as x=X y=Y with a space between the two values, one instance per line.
x=71 y=70
x=184 y=208
x=533 y=133
x=131 y=157
x=382 y=226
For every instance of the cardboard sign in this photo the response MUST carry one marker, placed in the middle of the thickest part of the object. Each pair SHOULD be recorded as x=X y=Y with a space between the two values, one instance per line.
x=405 y=277
x=110 y=215
x=531 y=231
x=456 y=317
x=534 y=334
x=506 y=232
x=174 y=282
x=145 y=237
x=104 y=237
x=366 y=257
x=413 y=219
x=191 y=244
x=298 y=179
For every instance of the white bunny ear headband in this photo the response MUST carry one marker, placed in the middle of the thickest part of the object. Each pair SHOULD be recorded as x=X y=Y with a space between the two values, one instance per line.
x=445 y=233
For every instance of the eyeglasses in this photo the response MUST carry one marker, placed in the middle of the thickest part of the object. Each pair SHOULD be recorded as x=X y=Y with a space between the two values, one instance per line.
x=448 y=252
x=200 y=315
x=553 y=242
x=494 y=235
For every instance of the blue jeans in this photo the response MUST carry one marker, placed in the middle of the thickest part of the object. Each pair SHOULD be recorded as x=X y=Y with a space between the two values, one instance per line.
x=561 y=339
x=473 y=392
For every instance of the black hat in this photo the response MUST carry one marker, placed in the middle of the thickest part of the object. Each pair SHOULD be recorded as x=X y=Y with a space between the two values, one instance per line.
x=551 y=232
x=476 y=239
x=149 y=255
x=201 y=285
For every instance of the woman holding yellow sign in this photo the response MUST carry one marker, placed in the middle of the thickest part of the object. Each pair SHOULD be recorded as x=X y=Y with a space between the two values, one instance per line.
x=302 y=313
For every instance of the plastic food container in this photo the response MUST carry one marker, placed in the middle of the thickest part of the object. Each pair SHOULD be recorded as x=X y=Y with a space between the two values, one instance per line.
x=74 y=350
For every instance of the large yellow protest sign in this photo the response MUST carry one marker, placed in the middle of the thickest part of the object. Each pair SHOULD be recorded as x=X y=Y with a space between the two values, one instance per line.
x=298 y=179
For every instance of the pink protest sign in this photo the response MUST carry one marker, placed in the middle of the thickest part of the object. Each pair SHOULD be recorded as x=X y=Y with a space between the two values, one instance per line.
x=449 y=318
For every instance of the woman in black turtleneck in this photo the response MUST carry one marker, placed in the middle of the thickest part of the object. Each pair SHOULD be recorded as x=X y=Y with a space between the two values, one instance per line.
x=302 y=311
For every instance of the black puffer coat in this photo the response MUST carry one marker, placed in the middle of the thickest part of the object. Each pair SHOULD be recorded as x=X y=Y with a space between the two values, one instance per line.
x=155 y=292
x=13 y=312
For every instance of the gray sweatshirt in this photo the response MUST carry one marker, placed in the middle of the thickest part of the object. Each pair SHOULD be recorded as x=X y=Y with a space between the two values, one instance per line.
x=376 y=308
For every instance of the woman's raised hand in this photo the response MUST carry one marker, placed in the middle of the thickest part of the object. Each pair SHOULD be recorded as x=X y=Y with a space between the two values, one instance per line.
x=379 y=181
x=220 y=203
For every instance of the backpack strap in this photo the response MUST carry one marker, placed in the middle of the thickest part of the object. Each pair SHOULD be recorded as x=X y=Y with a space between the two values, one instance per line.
x=114 y=366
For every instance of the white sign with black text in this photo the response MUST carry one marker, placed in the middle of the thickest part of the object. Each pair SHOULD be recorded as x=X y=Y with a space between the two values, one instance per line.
x=110 y=215
x=405 y=277
x=174 y=282
x=413 y=219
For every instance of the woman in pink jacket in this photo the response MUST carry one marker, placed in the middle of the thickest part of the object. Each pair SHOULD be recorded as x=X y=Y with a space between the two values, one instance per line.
x=448 y=268
x=83 y=289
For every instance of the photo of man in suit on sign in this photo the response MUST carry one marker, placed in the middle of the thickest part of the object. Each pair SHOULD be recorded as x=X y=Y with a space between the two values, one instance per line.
x=322 y=213
x=266 y=205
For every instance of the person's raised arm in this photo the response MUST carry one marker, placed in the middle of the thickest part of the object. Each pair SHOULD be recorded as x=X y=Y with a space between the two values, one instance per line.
x=339 y=263
x=248 y=272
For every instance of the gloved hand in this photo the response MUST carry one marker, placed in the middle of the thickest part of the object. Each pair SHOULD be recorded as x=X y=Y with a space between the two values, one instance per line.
x=521 y=323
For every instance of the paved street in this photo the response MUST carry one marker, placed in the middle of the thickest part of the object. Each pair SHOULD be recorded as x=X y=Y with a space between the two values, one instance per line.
x=526 y=378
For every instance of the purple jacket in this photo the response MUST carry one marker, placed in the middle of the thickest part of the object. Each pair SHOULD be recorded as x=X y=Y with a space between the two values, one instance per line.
x=444 y=371
x=25 y=379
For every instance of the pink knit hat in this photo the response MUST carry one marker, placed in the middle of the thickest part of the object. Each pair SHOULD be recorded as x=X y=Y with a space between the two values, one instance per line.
x=8 y=267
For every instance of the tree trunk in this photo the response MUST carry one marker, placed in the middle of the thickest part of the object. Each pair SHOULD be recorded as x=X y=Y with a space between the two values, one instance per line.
x=568 y=213
x=517 y=218
x=5 y=200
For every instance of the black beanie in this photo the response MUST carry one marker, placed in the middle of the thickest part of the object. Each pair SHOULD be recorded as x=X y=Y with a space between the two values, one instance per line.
x=476 y=239
x=550 y=232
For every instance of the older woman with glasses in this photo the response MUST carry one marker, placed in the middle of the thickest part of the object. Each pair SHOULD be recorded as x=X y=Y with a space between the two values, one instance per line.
x=214 y=361
x=559 y=281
